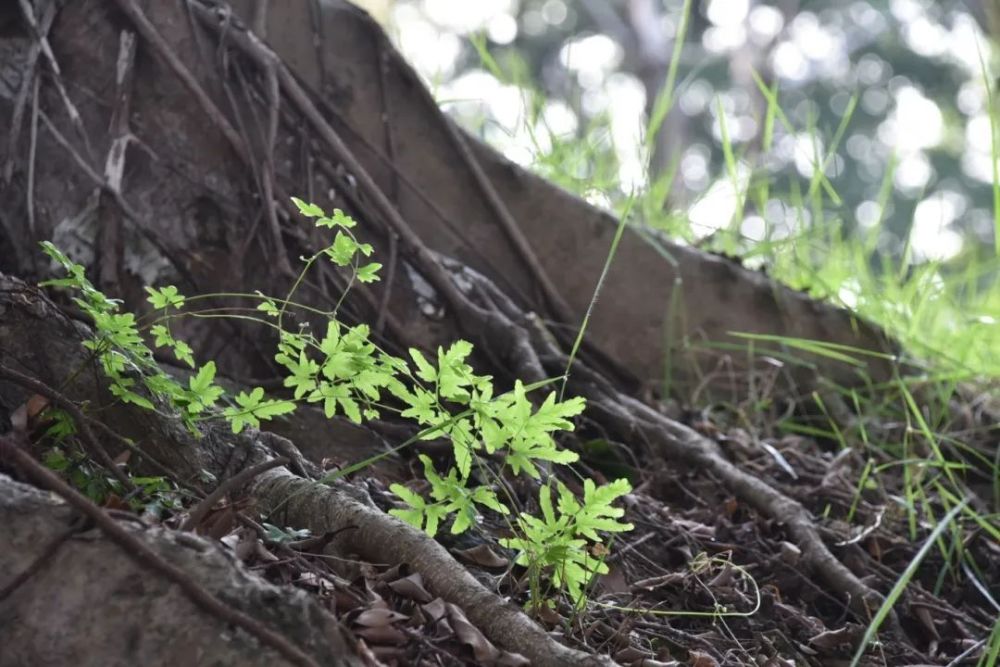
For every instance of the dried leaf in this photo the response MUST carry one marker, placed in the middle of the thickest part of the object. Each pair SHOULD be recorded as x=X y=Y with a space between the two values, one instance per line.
x=483 y=650
x=411 y=587
x=631 y=654
x=376 y=618
x=924 y=615
x=830 y=641
x=385 y=634
x=482 y=555
x=437 y=615
x=549 y=616
x=699 y=659
x=35 y=405
x=790 y=553
x=19 y=419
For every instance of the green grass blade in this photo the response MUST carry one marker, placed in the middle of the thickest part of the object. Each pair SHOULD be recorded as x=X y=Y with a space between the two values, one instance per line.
x=903 y=582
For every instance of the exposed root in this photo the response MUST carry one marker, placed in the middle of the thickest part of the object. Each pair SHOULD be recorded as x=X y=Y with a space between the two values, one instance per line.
x=363 y=528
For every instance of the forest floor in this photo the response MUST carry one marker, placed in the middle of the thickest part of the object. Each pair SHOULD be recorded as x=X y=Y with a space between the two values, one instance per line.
x=703 y=579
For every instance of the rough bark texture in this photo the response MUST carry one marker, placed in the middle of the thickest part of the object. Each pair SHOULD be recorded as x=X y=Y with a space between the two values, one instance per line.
x=89 y=603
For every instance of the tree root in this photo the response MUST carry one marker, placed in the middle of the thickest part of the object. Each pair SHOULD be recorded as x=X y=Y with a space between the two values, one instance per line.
x=363 y=528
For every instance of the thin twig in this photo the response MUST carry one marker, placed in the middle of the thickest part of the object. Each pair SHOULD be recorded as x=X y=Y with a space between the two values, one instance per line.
x=316 y=19
x=43 y=41
x=166 y=53
x=32 y=152
x=273 y=114
x=27 y=85
x=236 y=481
x=144 y=555
x=126 y=208
x=390 y=277
x=381 y=49
x=93 y=444
x=110 y=230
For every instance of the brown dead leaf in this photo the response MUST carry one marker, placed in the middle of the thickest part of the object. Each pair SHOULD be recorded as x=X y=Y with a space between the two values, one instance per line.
x=25 y=417
x=549 y=616
x=470 y=635
x=699 y=659
x=437 y=615
x=614 y=581
x=219 y=522
x=482 y=555
x=35 y=405
x=483 y=650
x=114 y=502
x=830 y=641
x=924 y=615
x=730 y=506
x=631 y=654
x=19 y=419
x=790 y=553
x=345 y=601
x=411 y=587
x=376 y=618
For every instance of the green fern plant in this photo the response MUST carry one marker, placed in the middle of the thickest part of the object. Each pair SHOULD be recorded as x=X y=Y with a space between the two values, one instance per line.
x=346 y=373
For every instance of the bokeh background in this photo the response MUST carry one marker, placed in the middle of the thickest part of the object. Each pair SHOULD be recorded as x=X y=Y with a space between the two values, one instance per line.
x=889 y=99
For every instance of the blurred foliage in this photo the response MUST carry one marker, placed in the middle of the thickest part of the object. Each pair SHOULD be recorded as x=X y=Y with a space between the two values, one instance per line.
x=567 y=87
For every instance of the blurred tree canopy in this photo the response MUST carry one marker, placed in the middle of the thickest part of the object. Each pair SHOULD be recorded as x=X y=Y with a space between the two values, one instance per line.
x=890 y=99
